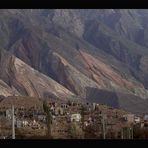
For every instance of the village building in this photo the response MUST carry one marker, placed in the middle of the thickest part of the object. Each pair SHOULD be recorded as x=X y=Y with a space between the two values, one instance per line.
x=59 y=111
x=41 y=118
x=35 y=124
x=8 y=113
x=22 y=108
x=53 y=119
x=137 y=119
x=75 y=117
x=18 y=124
x=97 y=107
x=25 y=123
x=146 y=118
x=86 y=123
x=52 y=104
x=94 y=106
x=52 y=108
x=142 y=124
x=64 y=105
x=129 y=118
x=90 y=119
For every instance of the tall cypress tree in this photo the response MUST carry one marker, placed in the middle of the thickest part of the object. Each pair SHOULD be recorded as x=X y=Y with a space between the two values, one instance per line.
x=48 y=118
x=82 y=112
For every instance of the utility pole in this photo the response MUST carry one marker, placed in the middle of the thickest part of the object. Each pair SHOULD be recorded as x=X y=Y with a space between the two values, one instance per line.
x=103 y=126
x=125 y=133
x=13 y=123
x=0 y=126
x=131 y=132
x=122 y=133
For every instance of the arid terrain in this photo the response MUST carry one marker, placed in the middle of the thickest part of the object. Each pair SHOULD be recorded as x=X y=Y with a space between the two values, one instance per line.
x=84 y=55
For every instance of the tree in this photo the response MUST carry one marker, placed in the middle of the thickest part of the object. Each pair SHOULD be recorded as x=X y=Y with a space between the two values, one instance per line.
x=49 y=122
x=82 y=112
x=48 y=118
x=69 y=103
x=45 y=106
x=76 y=132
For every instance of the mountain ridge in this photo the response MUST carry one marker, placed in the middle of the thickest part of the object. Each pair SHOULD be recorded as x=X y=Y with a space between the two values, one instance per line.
x=77 y=51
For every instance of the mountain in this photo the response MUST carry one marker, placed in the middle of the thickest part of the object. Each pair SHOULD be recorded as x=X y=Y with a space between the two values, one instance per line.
x=21 y=80
x=91 y=55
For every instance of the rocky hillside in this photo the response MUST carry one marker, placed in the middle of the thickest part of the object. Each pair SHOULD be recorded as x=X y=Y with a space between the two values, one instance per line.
x=22 y=80
x=75 y=54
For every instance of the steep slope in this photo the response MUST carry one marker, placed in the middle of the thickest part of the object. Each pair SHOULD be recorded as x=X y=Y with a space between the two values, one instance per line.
x=100 y=76
x=120 y=100
x=69 y=76
x=128 y=23
x=25 y=47
x=5 y=90
x=124 y=50
x=27 y=81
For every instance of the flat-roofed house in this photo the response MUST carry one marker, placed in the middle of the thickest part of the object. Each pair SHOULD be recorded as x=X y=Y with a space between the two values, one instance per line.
x=8 y=113
x=75 y=117
x=130 y=118
x=145 y=117
x=137 y=119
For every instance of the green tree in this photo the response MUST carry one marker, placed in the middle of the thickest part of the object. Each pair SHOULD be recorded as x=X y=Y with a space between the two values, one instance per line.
x=69 y=103
x=76 y=132
x=48 y=118
x=82 y=112
x=45 y=106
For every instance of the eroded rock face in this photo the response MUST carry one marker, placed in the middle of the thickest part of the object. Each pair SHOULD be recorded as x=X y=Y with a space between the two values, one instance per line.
x=127 y=51
x=69 y=76
x=36 y=84
x=69 y=20
x=100 y=76
x=6 y=91
x=24 y=80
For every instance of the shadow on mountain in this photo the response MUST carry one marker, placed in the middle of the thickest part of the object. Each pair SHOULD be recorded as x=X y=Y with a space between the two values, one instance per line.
x=102 y=96
x=128 y=102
